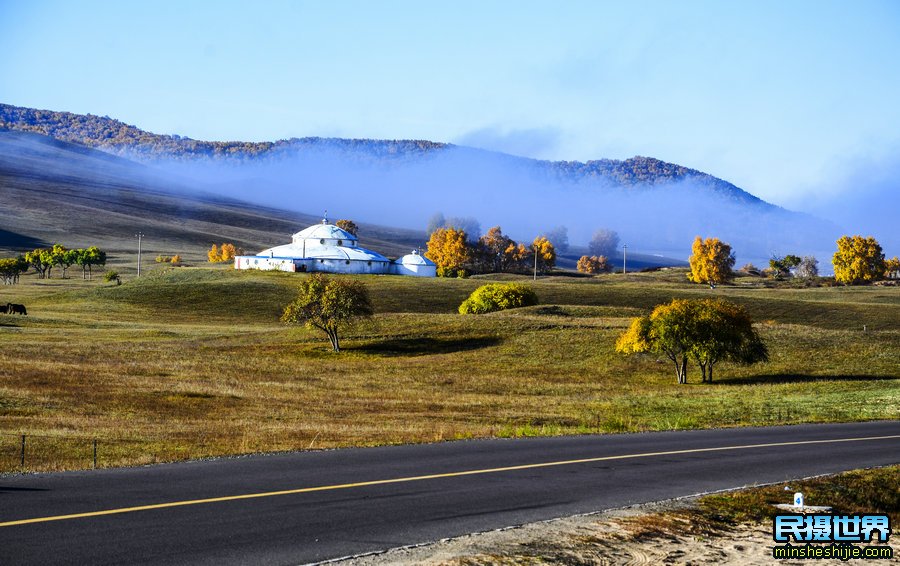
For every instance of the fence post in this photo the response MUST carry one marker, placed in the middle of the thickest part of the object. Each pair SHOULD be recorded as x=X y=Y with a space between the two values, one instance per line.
x=23 y=451
x=95 y=453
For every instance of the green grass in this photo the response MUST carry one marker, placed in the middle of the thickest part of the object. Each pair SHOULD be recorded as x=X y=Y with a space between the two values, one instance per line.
x=193 y=362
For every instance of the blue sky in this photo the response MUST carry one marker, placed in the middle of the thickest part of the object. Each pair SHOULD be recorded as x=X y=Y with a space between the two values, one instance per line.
x=785 y=99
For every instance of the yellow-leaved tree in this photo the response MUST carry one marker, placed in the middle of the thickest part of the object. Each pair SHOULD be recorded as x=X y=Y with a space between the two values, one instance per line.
x=892 y=268
x=226 y=252
x=546 y=253
x=593 y=264
x=448 y=249
x=348 y=226
x=711 y=261
x=858 y=260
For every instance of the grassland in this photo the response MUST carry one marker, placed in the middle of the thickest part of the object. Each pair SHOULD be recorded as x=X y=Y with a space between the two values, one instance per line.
x=192 y=362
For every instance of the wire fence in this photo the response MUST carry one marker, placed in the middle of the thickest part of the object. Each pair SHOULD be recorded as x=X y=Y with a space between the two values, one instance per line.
x=41 y=452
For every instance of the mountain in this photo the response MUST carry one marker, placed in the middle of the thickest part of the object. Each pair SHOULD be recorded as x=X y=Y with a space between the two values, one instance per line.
x=657 y=207
x=114 y=136
x=59 y=192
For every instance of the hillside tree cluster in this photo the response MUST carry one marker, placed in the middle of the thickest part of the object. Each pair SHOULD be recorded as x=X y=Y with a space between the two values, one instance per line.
x=43 y=260
x=494 y=252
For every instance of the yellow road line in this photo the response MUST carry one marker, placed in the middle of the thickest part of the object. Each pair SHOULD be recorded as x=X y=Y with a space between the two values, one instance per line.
x=425 y=477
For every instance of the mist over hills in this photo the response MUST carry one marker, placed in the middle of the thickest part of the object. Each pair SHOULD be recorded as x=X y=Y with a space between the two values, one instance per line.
x=58 y=192
x=657 y=207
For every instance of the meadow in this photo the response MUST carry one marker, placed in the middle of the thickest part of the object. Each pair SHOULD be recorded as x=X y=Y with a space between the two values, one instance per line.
x=193 y=362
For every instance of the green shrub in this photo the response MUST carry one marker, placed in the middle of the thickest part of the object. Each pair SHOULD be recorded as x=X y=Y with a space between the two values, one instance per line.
x=498 y=297
x=111 y=276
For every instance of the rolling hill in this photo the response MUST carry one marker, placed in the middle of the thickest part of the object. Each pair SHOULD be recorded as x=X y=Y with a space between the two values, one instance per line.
x=257 y=192
x=56 y=191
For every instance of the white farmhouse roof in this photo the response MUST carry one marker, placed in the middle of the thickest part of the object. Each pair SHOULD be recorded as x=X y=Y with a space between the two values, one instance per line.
x=314 y=250
x=324 y=232
x=415 y=258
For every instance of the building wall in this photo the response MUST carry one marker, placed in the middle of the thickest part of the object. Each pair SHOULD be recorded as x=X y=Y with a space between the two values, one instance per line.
x=343 y=266
x=354 y=266
x=264 y=263
x=414 y=270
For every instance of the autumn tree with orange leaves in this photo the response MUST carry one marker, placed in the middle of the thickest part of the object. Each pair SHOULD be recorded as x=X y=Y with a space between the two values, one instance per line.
x=711 y=261
x=224 y=253
x=594 y=264
x=447 y=248
x=546 y=254
x=858 y=260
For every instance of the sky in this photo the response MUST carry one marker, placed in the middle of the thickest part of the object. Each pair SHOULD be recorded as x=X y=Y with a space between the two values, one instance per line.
x=795 y=102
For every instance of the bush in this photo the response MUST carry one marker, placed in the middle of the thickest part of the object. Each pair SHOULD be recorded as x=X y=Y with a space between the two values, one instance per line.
x=594 y=264
x=498 y=297
x=111 y=276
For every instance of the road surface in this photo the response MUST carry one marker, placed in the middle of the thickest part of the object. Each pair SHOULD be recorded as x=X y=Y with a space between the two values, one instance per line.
x=306 y=507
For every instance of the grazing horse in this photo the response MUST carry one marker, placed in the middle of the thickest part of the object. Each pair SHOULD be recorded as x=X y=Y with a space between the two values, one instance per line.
x=13 y=308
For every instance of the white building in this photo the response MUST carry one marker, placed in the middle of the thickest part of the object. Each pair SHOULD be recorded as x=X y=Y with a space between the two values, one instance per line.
x=325 y=247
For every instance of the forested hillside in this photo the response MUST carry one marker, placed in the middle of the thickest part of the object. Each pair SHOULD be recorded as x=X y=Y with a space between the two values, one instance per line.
x=117 y=137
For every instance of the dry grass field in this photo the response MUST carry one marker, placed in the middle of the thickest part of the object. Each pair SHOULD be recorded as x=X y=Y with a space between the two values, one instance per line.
x=192 y=362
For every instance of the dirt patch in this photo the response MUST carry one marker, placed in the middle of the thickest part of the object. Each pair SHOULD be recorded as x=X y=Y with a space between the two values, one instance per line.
x=612 y=537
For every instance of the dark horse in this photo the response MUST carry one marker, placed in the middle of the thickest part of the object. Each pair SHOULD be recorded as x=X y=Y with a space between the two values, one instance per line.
x=13 y=308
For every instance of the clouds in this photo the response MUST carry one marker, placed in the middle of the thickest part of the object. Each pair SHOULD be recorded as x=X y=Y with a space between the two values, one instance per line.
x=862 y=196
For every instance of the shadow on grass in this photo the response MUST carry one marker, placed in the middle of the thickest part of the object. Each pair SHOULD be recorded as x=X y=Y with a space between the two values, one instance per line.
x=426 y=346
x=800 y=378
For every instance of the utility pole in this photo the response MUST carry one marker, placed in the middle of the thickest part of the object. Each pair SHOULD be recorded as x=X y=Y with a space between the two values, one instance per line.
x=139 y=236
x=624 y=249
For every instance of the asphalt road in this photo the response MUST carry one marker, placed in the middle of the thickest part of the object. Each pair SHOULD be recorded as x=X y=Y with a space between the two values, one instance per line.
x=306 y=507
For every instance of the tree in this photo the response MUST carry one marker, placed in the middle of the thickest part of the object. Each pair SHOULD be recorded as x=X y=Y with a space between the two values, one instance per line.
x=808 y=267
x=348 y=226
x=518 y=257
x=858 y=260
x=711 y=261
x=11 y=268
x=447 y=248
x=498 y=296
x=226 y=252
x=546 y=254
x=88 y=258
x=63 y=257
x=41 y=260
x=707 y=330
x=436 y=221
x=593 y=264
x=724 y=331
x=559 y=237
x=493 y=248
x=667 y=330
x=328 y=304
x=892 y=268
x=466 y=224
x=782 y=266
x=604 y=242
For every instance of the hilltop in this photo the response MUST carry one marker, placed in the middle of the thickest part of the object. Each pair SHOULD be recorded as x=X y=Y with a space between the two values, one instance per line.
x=114 y=136
x=56 y=191
x=657 y=207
